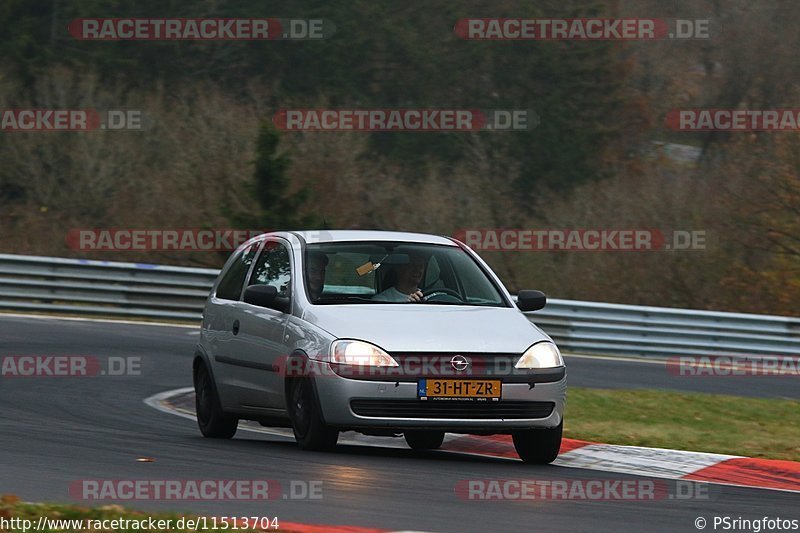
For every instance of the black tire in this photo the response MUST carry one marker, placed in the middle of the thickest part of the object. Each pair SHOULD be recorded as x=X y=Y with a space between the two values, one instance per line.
x=310 y=430
x=538 y=446
x=213 y=421
x=423 y=439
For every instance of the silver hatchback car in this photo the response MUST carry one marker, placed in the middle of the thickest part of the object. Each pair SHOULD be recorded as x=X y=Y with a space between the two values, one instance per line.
x=384 y=333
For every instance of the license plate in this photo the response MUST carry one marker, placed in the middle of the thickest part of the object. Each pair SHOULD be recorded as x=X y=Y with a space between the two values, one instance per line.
x=459 y=389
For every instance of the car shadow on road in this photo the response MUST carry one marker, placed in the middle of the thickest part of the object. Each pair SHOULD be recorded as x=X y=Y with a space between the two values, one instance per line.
x=252 y=443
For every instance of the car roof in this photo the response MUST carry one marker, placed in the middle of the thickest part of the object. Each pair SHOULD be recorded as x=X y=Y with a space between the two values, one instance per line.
x=344 y=235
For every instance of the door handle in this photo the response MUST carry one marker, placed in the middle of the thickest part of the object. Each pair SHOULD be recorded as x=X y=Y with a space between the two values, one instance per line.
x=235 y=327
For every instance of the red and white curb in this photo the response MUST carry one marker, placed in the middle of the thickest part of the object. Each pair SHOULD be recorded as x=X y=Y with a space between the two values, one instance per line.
x=652 y=462
x=635 y=460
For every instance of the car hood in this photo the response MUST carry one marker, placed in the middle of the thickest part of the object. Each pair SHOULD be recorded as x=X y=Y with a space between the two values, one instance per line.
x=429 y=328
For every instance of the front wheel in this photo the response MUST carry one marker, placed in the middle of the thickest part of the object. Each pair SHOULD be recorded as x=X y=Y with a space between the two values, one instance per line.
x=213 y=421
x=538 y=446
x=424 y=439
x=310 y=430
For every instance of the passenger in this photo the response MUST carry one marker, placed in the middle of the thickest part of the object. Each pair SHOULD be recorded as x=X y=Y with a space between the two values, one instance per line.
x=315 y=269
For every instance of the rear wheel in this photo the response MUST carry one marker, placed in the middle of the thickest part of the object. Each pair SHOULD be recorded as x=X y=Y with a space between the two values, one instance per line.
x=538 y=446
x=213 y=421
x=424 y=439
x=310 y=430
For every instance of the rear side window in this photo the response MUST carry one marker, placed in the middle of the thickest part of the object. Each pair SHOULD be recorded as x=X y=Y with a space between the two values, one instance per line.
x=230 y=286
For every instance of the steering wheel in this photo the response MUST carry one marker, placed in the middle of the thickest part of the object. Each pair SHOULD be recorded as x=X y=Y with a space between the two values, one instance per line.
x=427 y=294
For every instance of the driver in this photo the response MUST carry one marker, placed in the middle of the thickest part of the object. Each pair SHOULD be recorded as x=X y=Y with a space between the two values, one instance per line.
x=408 y=277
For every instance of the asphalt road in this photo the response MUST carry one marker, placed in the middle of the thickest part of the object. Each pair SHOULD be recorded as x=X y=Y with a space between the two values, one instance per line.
x=54 y=431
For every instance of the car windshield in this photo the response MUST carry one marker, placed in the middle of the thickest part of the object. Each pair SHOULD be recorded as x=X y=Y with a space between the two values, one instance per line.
x=387 y=272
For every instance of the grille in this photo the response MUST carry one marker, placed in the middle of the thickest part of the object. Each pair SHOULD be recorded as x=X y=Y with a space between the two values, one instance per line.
x=412 y=366
x=451 y=409
x=480 y=363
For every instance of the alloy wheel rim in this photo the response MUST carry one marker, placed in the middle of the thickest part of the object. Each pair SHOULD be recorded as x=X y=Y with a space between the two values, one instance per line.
x=301 y=409
x=204 y=398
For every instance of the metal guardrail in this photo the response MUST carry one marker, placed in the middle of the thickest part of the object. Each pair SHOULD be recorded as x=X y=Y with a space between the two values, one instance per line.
x=78 y=286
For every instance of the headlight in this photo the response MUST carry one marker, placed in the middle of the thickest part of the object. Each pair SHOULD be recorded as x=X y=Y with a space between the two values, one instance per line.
x=541 y=355
x=362 y=353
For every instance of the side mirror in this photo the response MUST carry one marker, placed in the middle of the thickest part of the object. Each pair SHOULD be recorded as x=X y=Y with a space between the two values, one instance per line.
x=261 y=295
x=531 y=300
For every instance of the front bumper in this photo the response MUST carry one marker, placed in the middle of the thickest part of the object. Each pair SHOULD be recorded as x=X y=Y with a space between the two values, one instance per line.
x=338 y=395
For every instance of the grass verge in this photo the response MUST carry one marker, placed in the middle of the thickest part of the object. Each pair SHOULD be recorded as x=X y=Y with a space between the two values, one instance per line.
x=752 y=427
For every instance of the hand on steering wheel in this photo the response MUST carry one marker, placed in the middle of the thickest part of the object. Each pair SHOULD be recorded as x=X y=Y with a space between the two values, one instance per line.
x=430 y=292
x=416 y=297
